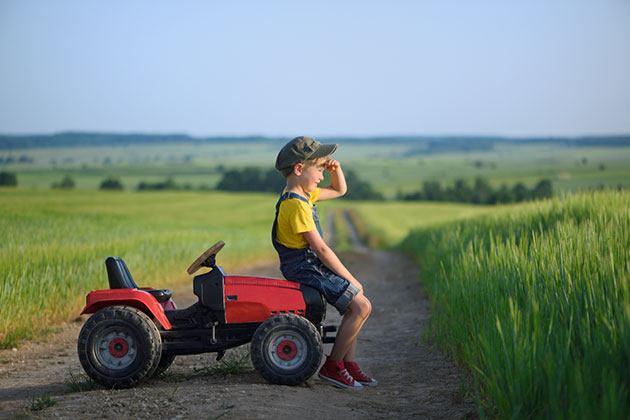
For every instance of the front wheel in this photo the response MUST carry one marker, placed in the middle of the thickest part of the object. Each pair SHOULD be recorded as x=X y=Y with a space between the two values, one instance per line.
x=286 y=349
x=119 y=347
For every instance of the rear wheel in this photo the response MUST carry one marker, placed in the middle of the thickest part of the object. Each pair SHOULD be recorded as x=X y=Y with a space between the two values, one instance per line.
x=119 y=347
x=286 y=349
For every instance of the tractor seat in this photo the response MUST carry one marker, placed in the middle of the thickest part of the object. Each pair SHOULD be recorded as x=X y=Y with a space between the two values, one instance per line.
x=120 y=278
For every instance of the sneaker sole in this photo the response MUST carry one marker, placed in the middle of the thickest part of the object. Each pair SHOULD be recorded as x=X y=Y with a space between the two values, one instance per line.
x=373 y=383
x=338 y=384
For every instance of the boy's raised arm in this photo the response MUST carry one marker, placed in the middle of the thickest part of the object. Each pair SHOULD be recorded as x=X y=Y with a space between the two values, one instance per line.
x=338 y=185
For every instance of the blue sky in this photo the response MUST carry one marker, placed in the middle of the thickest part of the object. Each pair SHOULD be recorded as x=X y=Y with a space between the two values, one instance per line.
x=285 y=68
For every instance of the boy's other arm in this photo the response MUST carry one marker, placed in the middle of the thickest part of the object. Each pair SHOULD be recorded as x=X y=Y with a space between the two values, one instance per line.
x=338 y=185
x=328 y=257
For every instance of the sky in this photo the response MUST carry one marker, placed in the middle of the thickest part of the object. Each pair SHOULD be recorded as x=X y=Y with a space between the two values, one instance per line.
x=325 y=68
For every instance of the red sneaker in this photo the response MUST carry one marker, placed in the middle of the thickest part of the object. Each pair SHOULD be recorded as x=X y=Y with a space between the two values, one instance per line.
x=334 y=373
x=355 y=371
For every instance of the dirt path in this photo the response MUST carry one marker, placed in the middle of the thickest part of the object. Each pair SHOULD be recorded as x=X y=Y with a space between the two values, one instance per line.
x=414 y=379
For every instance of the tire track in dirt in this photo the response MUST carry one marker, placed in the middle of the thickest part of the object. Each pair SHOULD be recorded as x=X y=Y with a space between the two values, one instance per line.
x=415 y=380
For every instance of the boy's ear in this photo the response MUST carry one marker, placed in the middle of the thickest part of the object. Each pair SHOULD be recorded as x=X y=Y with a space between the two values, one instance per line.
x=298 y=168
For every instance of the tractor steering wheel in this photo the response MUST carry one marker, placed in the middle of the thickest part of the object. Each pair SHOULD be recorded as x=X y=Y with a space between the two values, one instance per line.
x=211 y=252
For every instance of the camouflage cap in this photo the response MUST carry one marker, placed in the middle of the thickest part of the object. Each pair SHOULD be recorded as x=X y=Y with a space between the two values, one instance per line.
x=301 y=149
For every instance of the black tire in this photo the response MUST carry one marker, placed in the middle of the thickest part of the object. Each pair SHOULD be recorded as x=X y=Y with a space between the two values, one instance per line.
x=286 y=349
x=119 y=347
x=165 y=362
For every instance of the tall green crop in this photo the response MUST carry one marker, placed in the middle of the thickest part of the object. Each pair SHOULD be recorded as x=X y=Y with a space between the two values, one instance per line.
x=536 y=303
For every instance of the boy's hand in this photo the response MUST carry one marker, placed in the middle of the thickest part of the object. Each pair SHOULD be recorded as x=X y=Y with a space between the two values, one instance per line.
x=332 y=165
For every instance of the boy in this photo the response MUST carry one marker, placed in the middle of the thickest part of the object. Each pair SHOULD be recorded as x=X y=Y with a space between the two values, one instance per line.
x=305 y=257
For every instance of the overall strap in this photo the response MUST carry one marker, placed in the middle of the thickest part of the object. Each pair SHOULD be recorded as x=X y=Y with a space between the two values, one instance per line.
x=285 y=196
x=290 y=255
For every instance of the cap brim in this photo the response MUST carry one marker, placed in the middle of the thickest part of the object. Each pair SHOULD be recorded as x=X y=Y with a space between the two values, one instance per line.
x=323 y=150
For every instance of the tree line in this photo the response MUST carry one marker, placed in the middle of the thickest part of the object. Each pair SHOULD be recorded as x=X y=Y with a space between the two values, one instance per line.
x=254 y=179
x=481 y=192
x=248 y=179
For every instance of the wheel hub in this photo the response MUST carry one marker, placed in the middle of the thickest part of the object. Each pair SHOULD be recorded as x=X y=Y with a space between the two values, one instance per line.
x=118 y=347
x=287 y=350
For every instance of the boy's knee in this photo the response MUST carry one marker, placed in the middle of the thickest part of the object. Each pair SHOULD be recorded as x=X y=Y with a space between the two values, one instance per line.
x=362 y=306
x=368 y=306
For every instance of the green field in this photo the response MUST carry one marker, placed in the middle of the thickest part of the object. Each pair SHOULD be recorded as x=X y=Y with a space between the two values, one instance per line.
x=390 y=168
x=55 y=242
x=392 y=221
x=536 y=303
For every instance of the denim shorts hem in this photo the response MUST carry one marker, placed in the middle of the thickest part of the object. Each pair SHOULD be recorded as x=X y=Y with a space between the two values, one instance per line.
x=346 y=297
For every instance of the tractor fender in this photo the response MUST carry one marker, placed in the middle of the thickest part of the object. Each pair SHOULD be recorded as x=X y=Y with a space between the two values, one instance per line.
x=99 y=299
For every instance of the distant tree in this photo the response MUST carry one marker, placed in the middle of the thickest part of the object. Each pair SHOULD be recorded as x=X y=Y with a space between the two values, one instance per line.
x=111 y=184
x=460 y=192
x=601 y=167
x=168 y=184
x=251 y=179
x=273 y=180
x=66 y=183
x=414 y=196
x=543 y=189
x=482 y=192
x=520 y=192
x=584 y=161
x=8 y=179
x=503 y=195
x=432 y=191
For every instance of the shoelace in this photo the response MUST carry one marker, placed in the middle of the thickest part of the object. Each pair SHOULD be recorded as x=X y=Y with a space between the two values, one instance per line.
x=359 y=375
x=344 y=373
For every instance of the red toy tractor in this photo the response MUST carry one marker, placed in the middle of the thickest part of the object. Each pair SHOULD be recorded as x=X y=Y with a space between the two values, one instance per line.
x=135 y=333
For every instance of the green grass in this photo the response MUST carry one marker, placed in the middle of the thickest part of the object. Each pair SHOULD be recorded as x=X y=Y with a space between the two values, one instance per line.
x=536 y=302
x=388 y=223
x=80 y=382
x=341 y=238
x=41 y=403
x=54 y=244
x=232 y=364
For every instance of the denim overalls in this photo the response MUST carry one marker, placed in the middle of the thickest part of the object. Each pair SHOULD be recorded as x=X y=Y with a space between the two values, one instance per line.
x=302 y=265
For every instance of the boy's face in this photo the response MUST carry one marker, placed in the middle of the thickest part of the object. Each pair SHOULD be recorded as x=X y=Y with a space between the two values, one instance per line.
x=311 y=174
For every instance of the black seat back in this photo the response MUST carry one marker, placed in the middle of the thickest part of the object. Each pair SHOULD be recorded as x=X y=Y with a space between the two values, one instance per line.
x=209 y=289
x=118 y=274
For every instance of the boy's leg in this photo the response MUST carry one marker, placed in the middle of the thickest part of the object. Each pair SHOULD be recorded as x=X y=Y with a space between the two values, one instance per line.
x=351 y=323
x=352 y=351
x=337 y=369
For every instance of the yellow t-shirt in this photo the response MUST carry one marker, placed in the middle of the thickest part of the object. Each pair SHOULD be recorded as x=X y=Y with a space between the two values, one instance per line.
x=294 y=218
